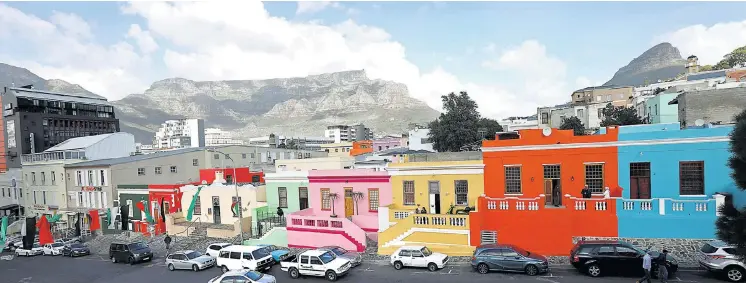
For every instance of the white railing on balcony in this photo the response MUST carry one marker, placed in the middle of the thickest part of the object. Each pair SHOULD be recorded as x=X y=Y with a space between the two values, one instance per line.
x=52 y=156
x=514 y=203
x=441 y=220
x=663 y=206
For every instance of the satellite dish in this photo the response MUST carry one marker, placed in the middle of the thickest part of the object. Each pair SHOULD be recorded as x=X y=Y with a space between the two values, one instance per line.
x=546 y=132
x=699 y=123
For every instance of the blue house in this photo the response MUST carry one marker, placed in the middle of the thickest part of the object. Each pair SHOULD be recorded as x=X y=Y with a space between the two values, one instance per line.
x=672 y=180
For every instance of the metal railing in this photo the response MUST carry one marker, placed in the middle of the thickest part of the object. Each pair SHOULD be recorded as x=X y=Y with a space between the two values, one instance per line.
x=51 y=156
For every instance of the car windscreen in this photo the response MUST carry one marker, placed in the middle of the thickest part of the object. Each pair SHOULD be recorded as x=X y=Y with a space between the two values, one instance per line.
x=520 y=251
x=270 y=248
x=426 y=252
x=327 y=257
x=77 y=246
x=339 y=251
x=137 y=246
x=260 y=253
x=57 y=245
x=193 y=255
x=36 y=246
x=253 y=275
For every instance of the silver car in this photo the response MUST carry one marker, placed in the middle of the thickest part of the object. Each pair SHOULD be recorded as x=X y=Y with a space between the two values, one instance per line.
x=354 y=258
x=244 y=276
x=717 y=256
x=189 y=260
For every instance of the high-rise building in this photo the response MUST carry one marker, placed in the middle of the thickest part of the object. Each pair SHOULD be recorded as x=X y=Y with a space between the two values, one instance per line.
x=181 y=133
x=36 y=120
x=217 y=137
x=347 y=133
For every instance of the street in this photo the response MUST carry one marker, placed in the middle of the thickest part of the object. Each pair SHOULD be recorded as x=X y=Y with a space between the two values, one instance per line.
x=95 y=269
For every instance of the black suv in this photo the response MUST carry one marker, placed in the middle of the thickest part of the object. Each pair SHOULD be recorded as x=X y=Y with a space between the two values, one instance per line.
x=130 y=252
x=598 y=258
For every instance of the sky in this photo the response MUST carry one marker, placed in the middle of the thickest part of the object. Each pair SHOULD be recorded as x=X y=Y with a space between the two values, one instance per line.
x=511 y=57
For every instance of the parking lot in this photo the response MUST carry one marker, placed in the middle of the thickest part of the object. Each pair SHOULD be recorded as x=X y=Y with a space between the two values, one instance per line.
x=95 y=269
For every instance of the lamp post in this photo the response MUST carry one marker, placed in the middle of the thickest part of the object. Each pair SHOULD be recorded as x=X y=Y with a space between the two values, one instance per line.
x=235 y=185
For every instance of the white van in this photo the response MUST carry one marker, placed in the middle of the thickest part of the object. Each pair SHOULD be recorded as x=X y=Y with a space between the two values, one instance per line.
x=244 y=257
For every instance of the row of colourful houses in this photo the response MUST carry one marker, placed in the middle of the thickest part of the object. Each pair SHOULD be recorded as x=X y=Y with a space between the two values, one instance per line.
x=648 y=181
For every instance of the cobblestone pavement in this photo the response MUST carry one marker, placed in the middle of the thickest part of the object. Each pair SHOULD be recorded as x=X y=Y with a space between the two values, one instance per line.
x=97 y=269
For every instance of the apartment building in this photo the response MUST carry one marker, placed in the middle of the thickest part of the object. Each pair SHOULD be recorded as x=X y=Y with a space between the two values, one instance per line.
x=616 y=95
x=218 y=137
x=181 y=133
x=11 y=199
x=347 y=133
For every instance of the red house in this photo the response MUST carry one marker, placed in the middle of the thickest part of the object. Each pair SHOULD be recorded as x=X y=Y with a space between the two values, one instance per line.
x=243 y=175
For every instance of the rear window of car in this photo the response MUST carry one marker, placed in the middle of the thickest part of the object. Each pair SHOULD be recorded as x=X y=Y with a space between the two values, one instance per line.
x=730 y=251
x=585 y=250
x=708 y=249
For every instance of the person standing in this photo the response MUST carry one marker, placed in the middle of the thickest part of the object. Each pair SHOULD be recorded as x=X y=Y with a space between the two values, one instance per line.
x=663 y=266
x=647 y=263
x=586 y=192
x=167 y=240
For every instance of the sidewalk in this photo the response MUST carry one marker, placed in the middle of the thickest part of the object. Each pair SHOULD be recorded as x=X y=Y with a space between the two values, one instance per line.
x=555 y=266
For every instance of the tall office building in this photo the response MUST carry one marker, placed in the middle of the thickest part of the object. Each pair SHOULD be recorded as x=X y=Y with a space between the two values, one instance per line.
x=181 y=133
x=347 y=133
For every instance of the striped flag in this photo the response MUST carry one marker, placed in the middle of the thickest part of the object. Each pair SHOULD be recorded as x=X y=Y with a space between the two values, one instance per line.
x=190 y=211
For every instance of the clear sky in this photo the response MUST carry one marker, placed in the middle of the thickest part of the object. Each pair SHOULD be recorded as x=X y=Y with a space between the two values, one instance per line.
x=510 y=56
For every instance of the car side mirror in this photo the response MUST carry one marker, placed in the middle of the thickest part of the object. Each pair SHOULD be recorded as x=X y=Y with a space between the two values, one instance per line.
x=517 y=257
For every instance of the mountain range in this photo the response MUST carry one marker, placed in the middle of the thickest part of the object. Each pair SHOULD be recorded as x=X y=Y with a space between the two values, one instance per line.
x=660 y=62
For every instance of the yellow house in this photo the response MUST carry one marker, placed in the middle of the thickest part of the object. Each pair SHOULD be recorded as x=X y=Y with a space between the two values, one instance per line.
x=443 y=189
x=337 y=149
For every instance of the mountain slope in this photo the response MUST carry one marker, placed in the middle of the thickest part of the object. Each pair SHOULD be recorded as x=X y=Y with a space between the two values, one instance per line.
x=661 y=62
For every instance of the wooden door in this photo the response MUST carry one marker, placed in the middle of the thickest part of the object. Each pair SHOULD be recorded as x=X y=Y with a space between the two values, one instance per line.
x=639 y=187
x=303 y=197
x=349 y=203
x=548 y=191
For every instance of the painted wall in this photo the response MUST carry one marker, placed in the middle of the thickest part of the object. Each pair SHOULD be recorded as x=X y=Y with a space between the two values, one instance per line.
x=446 y=173
x=243 y=175
x=291 y=181
x=307 y=230
x=387 y=143
x=323 y=163
x=361 y=147
x=660 y=111
x=360 y=180
x=667 y=218
x=225 y=194
x=278 y=236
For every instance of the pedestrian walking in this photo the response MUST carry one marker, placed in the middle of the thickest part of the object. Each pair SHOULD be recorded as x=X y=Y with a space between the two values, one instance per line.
x=647 y=263
x=167 y=240
x=663 y=266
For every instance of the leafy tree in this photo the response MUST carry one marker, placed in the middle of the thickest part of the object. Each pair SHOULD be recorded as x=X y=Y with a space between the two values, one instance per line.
x=574 y=124
x=460 y=124
x=733 y=59
x=620 y=116
x=706 y=68
x=731 y=225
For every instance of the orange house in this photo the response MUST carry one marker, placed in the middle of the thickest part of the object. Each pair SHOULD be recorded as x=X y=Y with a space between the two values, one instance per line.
x=532 y=190
x=361 y=147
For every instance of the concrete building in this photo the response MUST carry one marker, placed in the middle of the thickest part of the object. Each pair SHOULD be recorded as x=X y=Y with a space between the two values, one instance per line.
x=658 y=111
x=303 y=143
x=347 y=133
x=180 y=134
x=218 y=137
x=11 y=199
x=36 y=120
x=419 y=140
x=589 y=114
x=382 y=144
x=215 y=205
x=616 y=95
x=714 y=106
x=337 y=149
x=512 y=124
x=323 y=163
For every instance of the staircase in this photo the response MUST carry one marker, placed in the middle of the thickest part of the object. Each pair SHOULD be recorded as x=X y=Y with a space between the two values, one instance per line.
x=372 y=247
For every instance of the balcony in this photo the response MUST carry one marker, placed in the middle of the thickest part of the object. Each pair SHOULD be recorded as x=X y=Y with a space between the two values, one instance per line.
x=440 y=221
x=305 y=229
x=667 y=206
x=52 y=156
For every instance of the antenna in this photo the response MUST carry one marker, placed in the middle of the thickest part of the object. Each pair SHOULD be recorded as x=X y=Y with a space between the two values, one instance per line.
x=699 y=122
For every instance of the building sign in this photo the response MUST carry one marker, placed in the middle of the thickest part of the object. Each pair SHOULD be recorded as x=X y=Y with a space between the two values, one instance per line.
x=90 y=189
x=40 y=207
x=53 y=207
x=10 y=128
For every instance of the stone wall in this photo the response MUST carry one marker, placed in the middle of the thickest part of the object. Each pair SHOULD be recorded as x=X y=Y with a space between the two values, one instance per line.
x=685 y=250
x=445 y=156
x=715 y=105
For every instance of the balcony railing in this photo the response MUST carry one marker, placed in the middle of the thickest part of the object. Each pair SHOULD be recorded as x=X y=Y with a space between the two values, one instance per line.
x=52 y=156
x=515 y=203
x=668 y=206
x=440 y=221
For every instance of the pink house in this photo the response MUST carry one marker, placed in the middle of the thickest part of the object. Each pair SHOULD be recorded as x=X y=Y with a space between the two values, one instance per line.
x=343 y=209
x=387 y=143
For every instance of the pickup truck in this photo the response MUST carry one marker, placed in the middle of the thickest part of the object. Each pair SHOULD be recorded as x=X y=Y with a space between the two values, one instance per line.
x=316 y=263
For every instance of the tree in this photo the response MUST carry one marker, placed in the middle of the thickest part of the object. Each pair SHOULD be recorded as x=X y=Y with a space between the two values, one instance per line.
x=733 y=59
x=460 y=124
x=574 y=124
x=705 y=68
x=731 y=225
x=620 y=116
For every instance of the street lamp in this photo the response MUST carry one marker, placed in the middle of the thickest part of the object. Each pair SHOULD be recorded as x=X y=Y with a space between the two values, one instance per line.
x=235 y=185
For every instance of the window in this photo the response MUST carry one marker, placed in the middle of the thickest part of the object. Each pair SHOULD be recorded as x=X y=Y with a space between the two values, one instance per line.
x=216 y=156
x=462 y=192
x=625 y=251
x=692 y=178
x=510 y=253
x=235 y=255
x=236 y=207
x=600 y=113
x=594 y=177
x=157 y=170
x=545 y=118
x=408 y=192
x=44 y=197
x=173 y=169
x=78 y=178
x=54 y=178
x=90 y=180
x=315 y=261
x=373 y=200
x=102 y=174
x=513 y=179
x=43 y=178
x=35 y=202
x=198 y=206
x=326 y=202
x=33 y=178
x=282 y=193
x=195 y=162
x=243 y=155
x=607 y=251
x=140 y=171
x=405 y=253
x=580 y=113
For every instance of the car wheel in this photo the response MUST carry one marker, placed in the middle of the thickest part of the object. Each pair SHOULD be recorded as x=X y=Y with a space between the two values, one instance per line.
x=398 y=265
x=432 y=267
x=113 y=260
x=594 y=270
x=331 y=276
x=195 y=267
x=532 y=270
x=483 y=268
x=294 y=273
x=224 y=269
x=171 y=267
x=130 y=260
x=734 y=274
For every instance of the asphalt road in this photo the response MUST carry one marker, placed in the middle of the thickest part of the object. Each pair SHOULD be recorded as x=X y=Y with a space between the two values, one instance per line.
x=94 y=269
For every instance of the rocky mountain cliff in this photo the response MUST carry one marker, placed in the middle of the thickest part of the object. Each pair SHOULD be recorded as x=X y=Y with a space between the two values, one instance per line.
x=661 y=62
x=15 y=76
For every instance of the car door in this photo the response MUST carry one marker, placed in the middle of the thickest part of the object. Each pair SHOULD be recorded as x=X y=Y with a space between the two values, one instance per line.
x=229 y=279
x=248 y=261
x=234 y=261
x=630 y=260
x=606 y=257
x=493 y=259
x=212 y=250
x=405 y=256
x=418 y=259
x=304 y=265
x=511 y=260
x=317 y=266
x=122 y=252
x=184 y=261
x=47 y=249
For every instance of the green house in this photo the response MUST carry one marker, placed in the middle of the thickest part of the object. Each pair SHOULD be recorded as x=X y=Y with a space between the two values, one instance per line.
x=287 y=190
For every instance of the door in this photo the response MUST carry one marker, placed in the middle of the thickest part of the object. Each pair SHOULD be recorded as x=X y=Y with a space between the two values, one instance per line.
x=180 y=261
x=630 y=261
x=511 y=260
x=123 y=253
x=349 y=203
x=303 y=198
x=304 y=266
x=405 y=256
x=418 y=259
x=493 y=258
x=548 y=191
x=639 y=180
x=606 y=257
x=551 y=183
x=317 y=266
x=216 y=210
x=166 y=207
x=434 y=190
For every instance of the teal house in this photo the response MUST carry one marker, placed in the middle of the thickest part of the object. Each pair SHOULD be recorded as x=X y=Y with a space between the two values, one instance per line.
x=659 y=111
x=287 y=190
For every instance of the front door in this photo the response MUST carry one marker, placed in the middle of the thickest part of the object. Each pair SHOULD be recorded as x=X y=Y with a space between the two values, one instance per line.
x=349 y=203
x=639 y=180
x=552 y=184
x=434 y=189
x=166 y=207
x=303 y=198
x=548 y=191
x=216 y=210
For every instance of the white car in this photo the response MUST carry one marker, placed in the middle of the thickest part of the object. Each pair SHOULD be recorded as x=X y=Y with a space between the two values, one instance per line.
x=244 y=257
x=213 y=250
x=244 y=276
x=319 y=263
x=35 y=250
x=418 y=256
x=53 y=249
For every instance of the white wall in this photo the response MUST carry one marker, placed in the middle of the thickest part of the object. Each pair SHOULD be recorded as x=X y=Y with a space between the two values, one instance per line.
x=115 y=145
x=225 y=193
x=416 y=138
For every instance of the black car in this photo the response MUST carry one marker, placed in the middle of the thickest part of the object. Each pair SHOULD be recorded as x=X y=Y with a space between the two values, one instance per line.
x=130 y=252
x=76 y=249
x=597 y=258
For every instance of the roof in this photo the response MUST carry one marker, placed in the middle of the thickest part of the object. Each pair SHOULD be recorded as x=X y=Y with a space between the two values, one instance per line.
x=242 y=248
x=183 y=252
x=79 y=143
x=494 y=246
x=411 y=247
x=601 y=87
x=222 y=244
x=408 y=151
x=56 y=96
x=314 y=252
x=134 y=158
x=706 y=75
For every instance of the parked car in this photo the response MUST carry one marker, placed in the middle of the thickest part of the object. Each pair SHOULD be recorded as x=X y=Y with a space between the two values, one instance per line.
x=494 y=257
x=36 y=249
x=278 y=254
x=53 y=249
x=76 y=249
x=597 y=258
x=719 y=257
x=189 y=260
x=316 y=263
x=214 y=249
x=68 y=241
x=418 y=256
x=130 y=252
x=354 y=258
x=246 y=276
x=10 y=243
x=244 y=257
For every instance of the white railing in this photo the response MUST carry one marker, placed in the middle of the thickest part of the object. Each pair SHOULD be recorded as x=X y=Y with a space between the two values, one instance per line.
x=645 y=205
x=668 y=205
x=516 y=203
x=51 y=156
x=441 y=220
